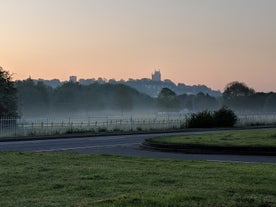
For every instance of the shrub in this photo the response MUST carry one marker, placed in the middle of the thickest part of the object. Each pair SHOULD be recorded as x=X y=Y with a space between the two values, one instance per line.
x=201 y=120
x=139 y=129
x=225 y=118
x=102 y=130
x=222 y=118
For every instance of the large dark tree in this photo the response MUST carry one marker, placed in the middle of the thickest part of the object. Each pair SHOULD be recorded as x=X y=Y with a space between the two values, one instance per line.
x=167 y=100
x=34 y=98
x=37 y=99
x=205 y=102
x=270 y=103
x=237 y=95
x=8 y=96
x=237 y=89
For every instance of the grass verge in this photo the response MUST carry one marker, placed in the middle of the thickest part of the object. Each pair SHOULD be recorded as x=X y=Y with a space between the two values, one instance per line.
x=244 y=138
x=250 y=142
x=69 y=179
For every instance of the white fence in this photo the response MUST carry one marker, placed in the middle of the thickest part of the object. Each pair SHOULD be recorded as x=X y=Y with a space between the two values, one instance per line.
x=256 y=119
x=12 y=127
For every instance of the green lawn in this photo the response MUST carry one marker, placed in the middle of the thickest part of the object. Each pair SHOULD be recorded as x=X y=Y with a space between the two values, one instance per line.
x=251 y=138
x=71 y=179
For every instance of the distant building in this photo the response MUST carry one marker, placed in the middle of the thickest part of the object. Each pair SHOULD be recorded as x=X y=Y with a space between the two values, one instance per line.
x=73 y=79
x=87 y=81
x=156 y=76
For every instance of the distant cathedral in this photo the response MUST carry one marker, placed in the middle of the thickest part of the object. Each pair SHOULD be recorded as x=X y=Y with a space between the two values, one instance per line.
x=156 y=76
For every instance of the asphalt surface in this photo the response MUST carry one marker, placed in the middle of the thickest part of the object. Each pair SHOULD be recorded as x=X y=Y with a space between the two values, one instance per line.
x=122 y=145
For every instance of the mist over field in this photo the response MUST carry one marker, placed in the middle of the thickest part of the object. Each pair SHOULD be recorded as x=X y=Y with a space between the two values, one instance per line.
x=39 y=109
x=72 y=99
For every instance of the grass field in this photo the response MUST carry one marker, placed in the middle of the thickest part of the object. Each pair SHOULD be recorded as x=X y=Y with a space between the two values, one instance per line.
x=250 y=138
x=69 y=179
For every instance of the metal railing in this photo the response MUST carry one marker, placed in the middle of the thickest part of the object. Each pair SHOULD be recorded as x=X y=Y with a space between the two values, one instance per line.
x=16 y=127
x=10 y=127
x=245 y=119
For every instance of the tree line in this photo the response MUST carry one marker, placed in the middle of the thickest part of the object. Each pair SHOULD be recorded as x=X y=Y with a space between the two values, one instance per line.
x=236 y=96
x=37 y=98
x=27 y=97
x=240 y=97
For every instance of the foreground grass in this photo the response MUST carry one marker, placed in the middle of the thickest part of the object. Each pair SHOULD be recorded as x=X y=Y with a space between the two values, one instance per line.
x=61 y=179
x=247 y=138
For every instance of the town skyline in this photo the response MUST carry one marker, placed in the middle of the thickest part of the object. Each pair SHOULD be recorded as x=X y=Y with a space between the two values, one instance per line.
x=150 y=86
x=156 y=76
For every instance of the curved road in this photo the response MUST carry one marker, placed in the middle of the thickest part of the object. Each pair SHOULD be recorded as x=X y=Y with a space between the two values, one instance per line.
x=122 y=145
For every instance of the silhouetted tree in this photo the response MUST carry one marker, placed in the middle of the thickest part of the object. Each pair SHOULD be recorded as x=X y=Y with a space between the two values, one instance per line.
x=186 y=101
x=8 y=94
x=236 y=95
x=221 y=118
x=69 y=97
x=204 y=102
x=204 y=119
x=199 y=102
x=167 y=100
x=256 y=102
x=122 y=98
x=270 y=103
x=237 y=89
x=225 y=117
x=34 y=98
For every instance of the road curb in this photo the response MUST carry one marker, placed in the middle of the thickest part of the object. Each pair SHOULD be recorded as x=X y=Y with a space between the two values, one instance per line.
x=203 y=149
x=69 y=136
x=83 y=135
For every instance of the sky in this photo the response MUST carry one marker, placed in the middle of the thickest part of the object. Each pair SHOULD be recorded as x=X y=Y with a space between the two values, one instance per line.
x=211 y=42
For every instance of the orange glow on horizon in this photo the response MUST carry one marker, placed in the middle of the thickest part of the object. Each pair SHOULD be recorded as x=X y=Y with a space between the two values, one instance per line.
x=212 y=42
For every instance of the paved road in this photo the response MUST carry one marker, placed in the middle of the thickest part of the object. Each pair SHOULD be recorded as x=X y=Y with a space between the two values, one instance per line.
x=120 y=145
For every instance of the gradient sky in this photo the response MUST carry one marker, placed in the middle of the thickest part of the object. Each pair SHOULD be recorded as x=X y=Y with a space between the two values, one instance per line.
x=210 y=42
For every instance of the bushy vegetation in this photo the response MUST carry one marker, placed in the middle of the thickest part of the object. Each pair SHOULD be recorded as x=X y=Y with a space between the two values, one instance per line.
x=202 y=119
x=224 y=118
x=239 y=97
x=221 y=118
x=199 y=102
x=37 y=98
x=167 y=100
x=8 y=98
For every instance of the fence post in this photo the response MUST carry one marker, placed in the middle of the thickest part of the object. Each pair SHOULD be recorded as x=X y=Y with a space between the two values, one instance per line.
x=70 y=125
x=131 y=123
x=32 y=129
x=52 y=126
x=62 y=124
x=1 y=126
x=107 y=123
